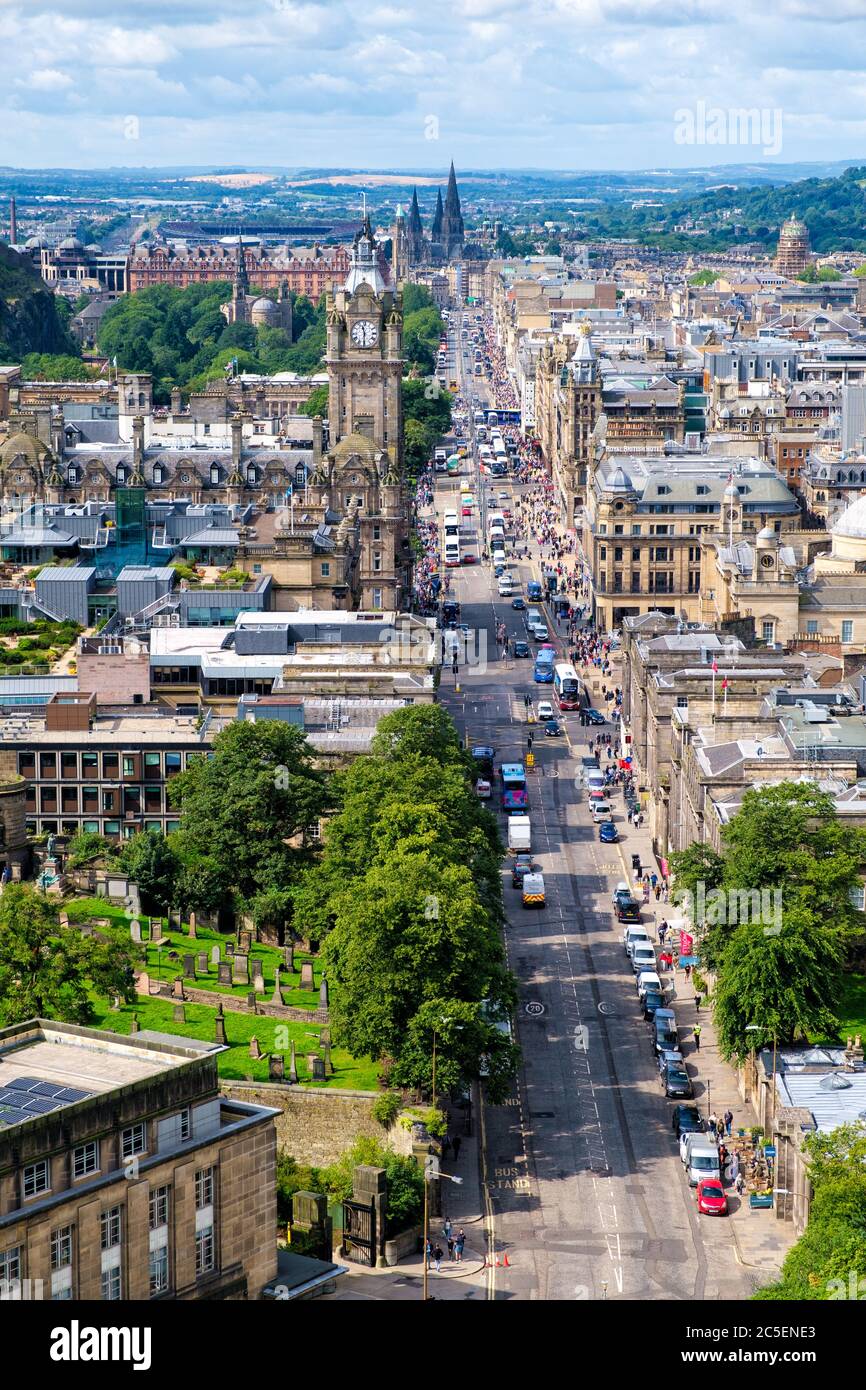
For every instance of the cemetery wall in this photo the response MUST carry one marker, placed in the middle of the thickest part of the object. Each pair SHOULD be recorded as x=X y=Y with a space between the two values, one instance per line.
x=314 y=1126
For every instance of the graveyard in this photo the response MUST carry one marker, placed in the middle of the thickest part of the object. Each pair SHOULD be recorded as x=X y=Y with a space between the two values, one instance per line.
x=265 y=998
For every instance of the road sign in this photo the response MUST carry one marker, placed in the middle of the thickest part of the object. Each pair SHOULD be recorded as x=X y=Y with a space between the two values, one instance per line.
x=530 y=760
x=534 y=1009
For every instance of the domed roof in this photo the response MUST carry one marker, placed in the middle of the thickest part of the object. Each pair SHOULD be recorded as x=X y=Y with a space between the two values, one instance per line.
x=70 y=243
x=22 y=445
x=793 y=226
x=767 y=533
x=732 y=493
x=33 y=243
x=619 y=480
x=852 y=522
x=264 y=305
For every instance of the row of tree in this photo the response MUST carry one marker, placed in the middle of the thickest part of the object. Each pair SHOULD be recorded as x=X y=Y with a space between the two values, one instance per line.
x=787 y=877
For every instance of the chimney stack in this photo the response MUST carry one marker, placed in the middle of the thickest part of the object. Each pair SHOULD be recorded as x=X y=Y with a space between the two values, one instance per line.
x=13 y=222
x=176 y=400
x=237 y=440
x=138 y=443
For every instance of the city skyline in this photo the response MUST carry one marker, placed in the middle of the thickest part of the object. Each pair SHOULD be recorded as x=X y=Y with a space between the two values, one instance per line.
x=548 y=84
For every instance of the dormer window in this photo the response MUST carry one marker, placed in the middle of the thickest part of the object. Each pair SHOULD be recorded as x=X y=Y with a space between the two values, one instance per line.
x=214 y=473
x=663 y=490
x=252 y=477
x=157 y=472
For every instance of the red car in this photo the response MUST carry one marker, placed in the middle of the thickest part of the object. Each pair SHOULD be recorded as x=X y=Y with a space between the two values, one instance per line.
x=470 y=559
x=711 y=1197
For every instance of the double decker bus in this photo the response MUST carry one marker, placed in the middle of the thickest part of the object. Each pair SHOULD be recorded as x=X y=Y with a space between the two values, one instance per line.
x=514 y=797
x=566 y=684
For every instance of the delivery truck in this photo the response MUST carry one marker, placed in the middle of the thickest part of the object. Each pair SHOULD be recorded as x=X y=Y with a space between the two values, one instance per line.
x=519 y=834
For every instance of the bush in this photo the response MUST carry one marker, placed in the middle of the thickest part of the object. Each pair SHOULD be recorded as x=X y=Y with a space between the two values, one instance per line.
x=386 y=1108
x=405 y=1182
x=293 y=1177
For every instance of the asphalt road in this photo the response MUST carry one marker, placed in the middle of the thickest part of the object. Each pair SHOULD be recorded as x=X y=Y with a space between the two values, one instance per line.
x=583 y=1183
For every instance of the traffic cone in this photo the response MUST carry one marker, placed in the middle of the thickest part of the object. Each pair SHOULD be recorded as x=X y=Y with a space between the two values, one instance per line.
x=506 y=1262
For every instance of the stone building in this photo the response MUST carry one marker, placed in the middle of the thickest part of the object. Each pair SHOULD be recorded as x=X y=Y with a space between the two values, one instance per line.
x=447 y=232
x=794 y=252
x=262 y=312
x=124 y=1174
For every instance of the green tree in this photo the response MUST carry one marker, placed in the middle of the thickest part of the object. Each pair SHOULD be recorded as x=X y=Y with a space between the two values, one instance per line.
x=46 y=366
x=699 y=864
x=835 y=1151
x=405 y=1200
x=316 y=403
x=151 y=862
x=251 y=805
x=47 y=971
x=818 y=1267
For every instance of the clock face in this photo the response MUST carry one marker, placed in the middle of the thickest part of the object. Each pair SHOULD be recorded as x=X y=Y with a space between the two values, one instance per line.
x=365 y=333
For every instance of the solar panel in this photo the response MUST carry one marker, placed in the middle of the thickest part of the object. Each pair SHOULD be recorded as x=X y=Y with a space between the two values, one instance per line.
x=25 y=1097
x=69 y=1094
x=40 y=1106
x=45 y=1088
x=23 y=1083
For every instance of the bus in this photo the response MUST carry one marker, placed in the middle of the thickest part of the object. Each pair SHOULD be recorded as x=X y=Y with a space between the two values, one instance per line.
x=453 y=464
x=452 y=552
x=514 y=797
x=566 y=684
x=492 y=417
x=543 y=669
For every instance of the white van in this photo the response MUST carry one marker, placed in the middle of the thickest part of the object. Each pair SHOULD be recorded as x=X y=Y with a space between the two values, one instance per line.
x=533 y=890
x=600 y=810
x=506 y=586
x=648 y=980
x=702 y=1162
x=643 y=958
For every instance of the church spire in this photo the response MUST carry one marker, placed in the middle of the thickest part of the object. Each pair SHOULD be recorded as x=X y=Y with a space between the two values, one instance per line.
x=242 y=282
x=436 y=228
x=452 y=235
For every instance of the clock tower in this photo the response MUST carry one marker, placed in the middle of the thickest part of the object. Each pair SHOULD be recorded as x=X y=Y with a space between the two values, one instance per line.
x=360 y=482
x=365 y=353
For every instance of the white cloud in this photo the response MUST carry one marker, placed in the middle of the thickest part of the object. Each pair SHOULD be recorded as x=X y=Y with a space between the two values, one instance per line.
x=45 y=80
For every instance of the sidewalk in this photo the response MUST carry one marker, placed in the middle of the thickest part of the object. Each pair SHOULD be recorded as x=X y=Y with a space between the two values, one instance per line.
x=761 y=1240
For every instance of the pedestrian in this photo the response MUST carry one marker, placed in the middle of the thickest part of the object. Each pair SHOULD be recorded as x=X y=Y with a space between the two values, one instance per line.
x=654 y=878
x=437 y=1257
x=450 y=1243
x=697 y=1035
x=688 y=972
x=723 y=1159
x=446 y=1146
x=459 y=1244
x=455 y=1144
x=735 y=1166
x=729 y=1120
x=697 y=1003
x=663 y=930
x=712 y=1124
x=740 y=1184
x=658 y=891
x=429 y=1253
x=447 y=1228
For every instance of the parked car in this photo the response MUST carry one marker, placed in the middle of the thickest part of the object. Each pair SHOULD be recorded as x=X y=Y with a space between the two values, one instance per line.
x=676 y=1082
x=651 y=1001
x=594 y=716
x=687 y=1119
x=635 y=936
x=627 y=911
x=483 y=789
x=608 y=833
x=622 y=890
x=711 y=1197
x=522 y=649
x=643 y=958
x=670 y=1057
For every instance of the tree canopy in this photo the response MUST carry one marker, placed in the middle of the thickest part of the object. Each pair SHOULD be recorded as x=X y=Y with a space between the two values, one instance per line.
x=47 y=971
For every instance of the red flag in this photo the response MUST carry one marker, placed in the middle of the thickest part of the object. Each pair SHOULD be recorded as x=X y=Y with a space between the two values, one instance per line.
x=715 y=667
x=724 y=683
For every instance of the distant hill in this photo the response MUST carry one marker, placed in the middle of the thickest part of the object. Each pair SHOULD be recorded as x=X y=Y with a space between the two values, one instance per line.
x=29 y=317
x=834 y=210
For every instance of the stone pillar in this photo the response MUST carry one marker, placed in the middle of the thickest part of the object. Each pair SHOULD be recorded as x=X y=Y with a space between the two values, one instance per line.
x=370 y=1186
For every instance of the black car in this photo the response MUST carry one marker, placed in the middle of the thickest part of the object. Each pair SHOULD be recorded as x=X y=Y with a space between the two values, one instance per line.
x=523 y=864
x=627 y=910
x=518 y=603
x=483 y=755
x=676 y=1082
x=652 y=1001
x=687 y=1119
x=522 y=649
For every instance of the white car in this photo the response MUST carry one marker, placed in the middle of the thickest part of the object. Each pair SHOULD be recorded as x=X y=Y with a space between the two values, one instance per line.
x=483 y=789
x=545 y=709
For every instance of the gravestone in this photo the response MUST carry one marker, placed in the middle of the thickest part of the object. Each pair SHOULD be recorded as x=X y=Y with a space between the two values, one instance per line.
x=64 y=919
x=251 y=1000
x=278 y=993
x=255 y=1049
x=201 y=961
x=225 y=973
x=329 y=1066
x=240 y=970
x=245 y=941
x=134 y=1026
x=276 y=1066
x=215 y=957
x=258 y=977
x=323 y=994
x=115 y=1003
x=189 y=967
x=135 y=930
x=307 y=981
x=174 y=919
x=293 y=1066
x=179 y=1013
x=316 y=1067
x=86 y=929
x=177 y=989
x=192 y=924
x=230 y=949
x=142 y=982
x=219 y=1025
x=289 y=957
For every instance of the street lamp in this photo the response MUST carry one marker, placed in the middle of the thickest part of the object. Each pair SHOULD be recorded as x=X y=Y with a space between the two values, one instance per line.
x=431 y=1171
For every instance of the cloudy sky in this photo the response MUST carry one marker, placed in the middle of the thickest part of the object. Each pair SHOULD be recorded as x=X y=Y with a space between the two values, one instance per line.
x=555 y=84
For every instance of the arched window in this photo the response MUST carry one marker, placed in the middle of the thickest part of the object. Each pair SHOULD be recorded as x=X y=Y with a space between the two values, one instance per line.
x=121 y=474
x=301 y=474
x=252 y=476
x=72 y=474
x=141 y=398
x=157 y=472
x=214 y=473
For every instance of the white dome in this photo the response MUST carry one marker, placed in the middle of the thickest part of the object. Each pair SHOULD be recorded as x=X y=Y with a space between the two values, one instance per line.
x=619 y=480
x=852 y=521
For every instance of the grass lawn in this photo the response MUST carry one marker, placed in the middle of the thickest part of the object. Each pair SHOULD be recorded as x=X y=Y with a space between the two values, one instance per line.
x=160 y=966
x=236 y=1064
x=852 y=1010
